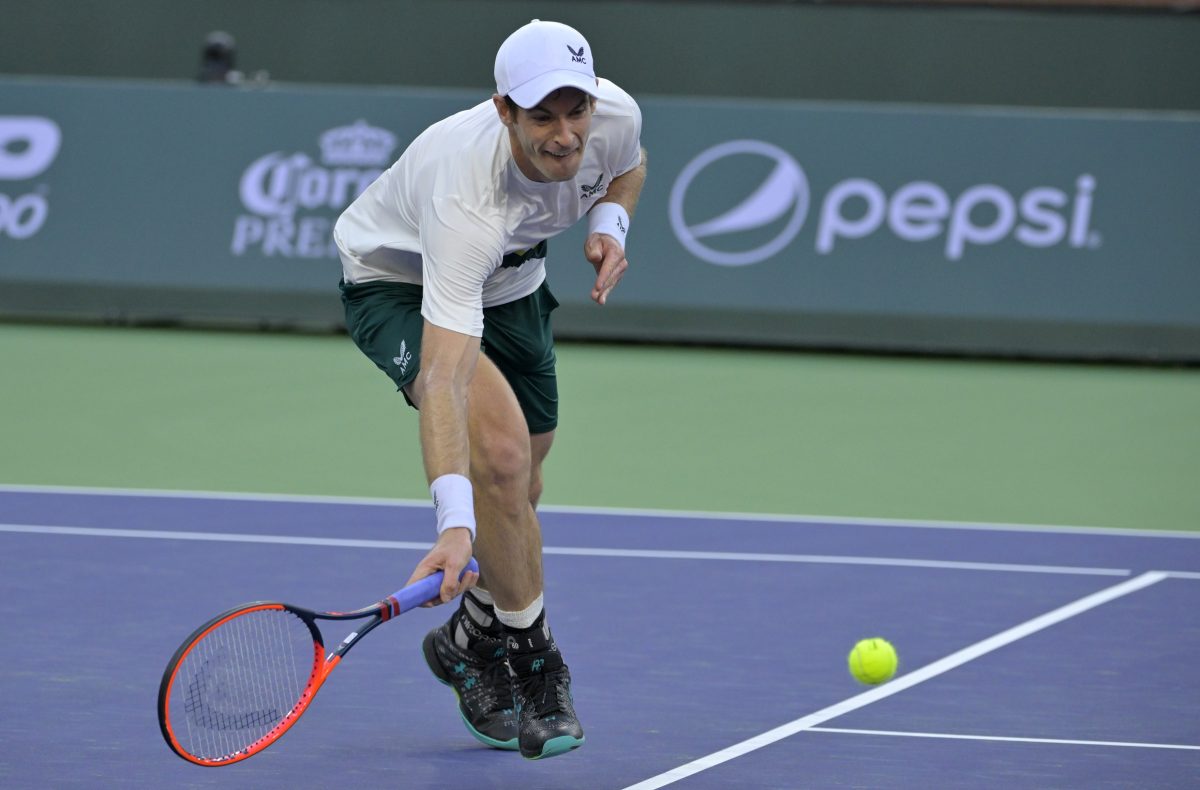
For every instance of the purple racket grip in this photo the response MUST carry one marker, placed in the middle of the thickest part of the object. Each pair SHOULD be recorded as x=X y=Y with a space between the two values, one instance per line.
x=426 y=589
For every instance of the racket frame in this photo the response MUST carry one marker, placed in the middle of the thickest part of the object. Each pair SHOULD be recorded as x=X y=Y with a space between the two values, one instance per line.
x=380 y=612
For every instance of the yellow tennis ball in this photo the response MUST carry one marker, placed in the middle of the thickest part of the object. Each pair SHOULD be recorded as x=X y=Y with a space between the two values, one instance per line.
x=872 y=661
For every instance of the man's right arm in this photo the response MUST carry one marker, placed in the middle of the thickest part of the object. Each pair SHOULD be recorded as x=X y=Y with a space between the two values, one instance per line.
x=448 y=361
x=447 y=364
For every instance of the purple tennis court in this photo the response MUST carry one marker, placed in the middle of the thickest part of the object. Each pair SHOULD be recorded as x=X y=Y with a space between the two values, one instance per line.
x=708 y=651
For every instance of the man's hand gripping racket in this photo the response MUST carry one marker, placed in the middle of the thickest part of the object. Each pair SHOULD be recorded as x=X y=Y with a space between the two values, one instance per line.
x=242 y=679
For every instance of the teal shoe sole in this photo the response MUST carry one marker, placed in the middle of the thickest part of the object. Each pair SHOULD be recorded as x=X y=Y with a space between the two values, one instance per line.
x=556 y=746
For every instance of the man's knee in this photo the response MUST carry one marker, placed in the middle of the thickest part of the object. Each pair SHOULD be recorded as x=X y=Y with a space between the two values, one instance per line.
x=502 y=464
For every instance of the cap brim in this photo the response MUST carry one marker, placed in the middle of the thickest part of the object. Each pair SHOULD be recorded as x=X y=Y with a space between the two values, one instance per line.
x=538 y=88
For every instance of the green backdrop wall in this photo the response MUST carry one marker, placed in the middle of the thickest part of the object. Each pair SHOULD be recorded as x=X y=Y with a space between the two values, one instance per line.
x=1012 y=56
x=914 y=228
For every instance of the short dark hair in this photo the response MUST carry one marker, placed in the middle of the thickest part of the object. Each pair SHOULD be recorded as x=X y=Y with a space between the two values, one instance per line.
x=513 y=106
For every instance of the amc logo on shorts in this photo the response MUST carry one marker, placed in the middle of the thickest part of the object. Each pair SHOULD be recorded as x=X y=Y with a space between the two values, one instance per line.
x=744 y=201
x=28 y=147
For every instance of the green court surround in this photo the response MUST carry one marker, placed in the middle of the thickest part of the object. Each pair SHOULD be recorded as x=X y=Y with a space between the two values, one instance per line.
x=642 y=427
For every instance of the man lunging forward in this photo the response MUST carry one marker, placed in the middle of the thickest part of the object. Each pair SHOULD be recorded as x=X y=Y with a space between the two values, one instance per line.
x=443 y=258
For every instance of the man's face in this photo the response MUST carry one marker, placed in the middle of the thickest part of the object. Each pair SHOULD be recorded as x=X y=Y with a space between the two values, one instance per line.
x=548 y=140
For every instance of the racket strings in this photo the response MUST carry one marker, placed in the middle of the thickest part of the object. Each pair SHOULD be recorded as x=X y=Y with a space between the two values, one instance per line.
x=240 y=681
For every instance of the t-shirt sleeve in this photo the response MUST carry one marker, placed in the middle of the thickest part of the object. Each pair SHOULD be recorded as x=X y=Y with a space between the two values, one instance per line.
x=626 y=150
x=459 y=250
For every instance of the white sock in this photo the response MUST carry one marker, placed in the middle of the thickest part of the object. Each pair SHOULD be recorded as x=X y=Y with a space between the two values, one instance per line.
x=524 y=618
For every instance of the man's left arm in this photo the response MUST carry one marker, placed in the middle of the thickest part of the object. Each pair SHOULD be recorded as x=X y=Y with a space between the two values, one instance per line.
x=605 y=245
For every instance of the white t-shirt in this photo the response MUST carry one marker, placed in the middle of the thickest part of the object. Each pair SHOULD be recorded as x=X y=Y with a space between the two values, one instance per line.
x=455 y=203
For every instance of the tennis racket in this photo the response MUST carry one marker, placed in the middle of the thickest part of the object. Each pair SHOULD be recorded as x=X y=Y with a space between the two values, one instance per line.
x=242 y=679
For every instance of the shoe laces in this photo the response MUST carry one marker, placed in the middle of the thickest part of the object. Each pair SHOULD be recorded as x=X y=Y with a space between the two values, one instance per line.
x=536 y=689
x=494 y=676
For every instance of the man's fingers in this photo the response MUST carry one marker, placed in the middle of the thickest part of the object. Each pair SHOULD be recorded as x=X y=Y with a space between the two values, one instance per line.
x=449 y=589
x=420 y=572
x=608 y=278
x=452 y=587
x=606 y=255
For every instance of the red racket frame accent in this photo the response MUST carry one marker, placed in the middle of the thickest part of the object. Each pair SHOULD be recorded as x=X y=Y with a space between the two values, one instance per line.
x=320 y=671
x=402 y=600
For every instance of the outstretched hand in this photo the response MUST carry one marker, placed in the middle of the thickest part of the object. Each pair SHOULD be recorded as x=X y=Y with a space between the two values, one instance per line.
x=449 y=555
x=608 y=259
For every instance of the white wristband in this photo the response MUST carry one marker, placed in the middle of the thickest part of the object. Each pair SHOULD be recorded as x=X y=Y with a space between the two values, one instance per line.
x=453 y=503
x=610 y=218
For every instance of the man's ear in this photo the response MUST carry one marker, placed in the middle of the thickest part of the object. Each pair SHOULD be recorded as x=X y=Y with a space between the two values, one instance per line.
x=503 y=110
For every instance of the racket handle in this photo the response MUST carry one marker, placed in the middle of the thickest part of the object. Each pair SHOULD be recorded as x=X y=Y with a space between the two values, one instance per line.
x=428 y=588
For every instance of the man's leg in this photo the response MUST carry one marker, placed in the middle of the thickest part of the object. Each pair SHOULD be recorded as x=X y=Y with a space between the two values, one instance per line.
x=506 y=474
x=468 y=652
x=508 y=541
x=499 y=477
x=506 y=478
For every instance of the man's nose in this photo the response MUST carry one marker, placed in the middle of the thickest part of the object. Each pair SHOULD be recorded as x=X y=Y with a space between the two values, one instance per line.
x=563 y=132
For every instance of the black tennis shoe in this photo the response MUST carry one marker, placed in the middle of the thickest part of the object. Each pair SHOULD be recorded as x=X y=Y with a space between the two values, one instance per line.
x=480 y=679
x=545 y=709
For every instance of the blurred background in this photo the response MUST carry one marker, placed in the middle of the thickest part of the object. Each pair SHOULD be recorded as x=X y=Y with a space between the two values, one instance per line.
x=910 y=260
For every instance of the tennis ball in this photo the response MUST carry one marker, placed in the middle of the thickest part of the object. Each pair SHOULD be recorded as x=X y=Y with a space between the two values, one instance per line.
x=872 y=661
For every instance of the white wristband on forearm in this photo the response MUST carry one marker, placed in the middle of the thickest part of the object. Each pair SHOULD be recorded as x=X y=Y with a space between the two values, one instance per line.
x=610 y=218
x=453 y=503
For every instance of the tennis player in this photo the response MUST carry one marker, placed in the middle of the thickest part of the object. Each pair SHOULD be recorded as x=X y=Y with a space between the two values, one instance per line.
x=444 y=286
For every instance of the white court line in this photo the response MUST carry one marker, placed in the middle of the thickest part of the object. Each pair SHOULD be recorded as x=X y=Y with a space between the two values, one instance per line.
x=828 y=559
x=927 y=672
x=216 y=537
x=769 y=518
x=235 y=496
x=1010 y=739
x=657 y=554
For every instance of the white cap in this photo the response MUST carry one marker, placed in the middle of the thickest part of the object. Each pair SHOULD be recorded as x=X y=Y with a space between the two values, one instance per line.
x=540 y=58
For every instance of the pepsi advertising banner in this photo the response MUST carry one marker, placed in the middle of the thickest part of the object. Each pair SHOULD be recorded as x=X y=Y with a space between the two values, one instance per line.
x=960 y=230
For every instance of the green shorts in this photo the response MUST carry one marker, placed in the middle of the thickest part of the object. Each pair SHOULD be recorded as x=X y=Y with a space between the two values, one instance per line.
x=384 y=320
